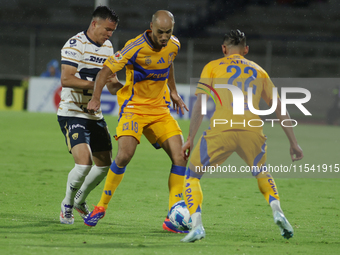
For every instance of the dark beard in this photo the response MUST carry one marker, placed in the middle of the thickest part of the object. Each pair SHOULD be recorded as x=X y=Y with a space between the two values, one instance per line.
x=155 y=42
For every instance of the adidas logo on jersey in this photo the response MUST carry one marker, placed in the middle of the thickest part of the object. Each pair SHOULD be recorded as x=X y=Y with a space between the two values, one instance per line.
x=161 y=61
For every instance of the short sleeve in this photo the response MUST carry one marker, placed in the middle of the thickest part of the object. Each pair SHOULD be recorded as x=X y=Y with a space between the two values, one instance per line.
x=176 y=42
x=117 y=61
x=72 y=53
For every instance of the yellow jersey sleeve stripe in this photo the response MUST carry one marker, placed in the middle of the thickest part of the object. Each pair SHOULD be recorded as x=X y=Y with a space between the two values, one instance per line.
x=175 y=39
x=179 y=46
x=128 y=47
x=132 y=45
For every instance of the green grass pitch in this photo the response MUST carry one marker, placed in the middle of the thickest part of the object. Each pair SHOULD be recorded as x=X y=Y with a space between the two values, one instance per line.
x=34 y=166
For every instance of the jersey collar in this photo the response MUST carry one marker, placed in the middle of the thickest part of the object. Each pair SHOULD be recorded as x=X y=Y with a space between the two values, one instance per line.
x=146 y=37
x=235 y=56
x=88 y=38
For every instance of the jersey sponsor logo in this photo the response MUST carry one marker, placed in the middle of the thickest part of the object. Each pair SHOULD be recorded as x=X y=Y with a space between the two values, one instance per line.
x=147 y=60
x=97 y=59
x=74 y=126
x=157 y=75
x=161 y=61
x=171 y=58
x=73 y=42
x=75 y=136
x=118 y=56
x=70 y=53
x=244 y=62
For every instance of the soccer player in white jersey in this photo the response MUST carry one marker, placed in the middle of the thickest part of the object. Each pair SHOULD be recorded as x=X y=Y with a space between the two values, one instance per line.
x=86 y=134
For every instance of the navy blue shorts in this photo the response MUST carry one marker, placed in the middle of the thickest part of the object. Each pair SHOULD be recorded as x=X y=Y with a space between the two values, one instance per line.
x=93 y=132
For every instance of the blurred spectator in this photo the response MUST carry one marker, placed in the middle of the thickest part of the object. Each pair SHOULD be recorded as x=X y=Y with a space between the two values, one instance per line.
x=52 y=69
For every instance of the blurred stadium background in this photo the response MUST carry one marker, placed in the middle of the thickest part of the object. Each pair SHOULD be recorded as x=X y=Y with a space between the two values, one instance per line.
x=288 y=38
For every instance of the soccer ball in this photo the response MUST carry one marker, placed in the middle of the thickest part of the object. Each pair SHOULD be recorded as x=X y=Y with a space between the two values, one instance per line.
x=179 y=216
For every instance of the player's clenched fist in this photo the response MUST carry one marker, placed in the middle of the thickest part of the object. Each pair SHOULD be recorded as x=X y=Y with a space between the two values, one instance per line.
x=93 y=105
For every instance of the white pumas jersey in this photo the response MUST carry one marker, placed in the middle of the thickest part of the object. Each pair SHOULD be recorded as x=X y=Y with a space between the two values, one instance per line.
x=88 y=57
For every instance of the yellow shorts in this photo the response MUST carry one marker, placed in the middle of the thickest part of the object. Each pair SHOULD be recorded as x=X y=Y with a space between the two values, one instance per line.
x=213 y=149
x=156 y=128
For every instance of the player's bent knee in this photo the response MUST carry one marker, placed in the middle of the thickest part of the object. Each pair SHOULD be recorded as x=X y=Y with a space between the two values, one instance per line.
x=178 y=160
x=102 y=158
x=82 y=154
x=123 y=158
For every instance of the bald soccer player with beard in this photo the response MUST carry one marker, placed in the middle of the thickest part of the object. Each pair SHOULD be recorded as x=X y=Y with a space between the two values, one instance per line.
x=144 y=107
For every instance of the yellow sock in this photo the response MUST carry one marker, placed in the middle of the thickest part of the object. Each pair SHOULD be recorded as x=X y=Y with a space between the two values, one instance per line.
x=267 y=187
x=176 y=184
x=113 y=179
x=193 y=194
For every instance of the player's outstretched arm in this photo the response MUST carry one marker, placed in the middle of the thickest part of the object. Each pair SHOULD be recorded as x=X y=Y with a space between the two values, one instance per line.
x=195 y=122
x=99 y=84
x=69 y=80
x=295 y=150
x=113 y=84
x=176 y=99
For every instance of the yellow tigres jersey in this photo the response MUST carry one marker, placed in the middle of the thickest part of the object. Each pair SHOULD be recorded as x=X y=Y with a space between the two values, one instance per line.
x=147 y=72
x=242 y=73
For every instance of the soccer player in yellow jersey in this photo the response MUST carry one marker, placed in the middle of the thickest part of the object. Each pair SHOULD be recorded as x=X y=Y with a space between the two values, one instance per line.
x=220 y=141
x=144 y=108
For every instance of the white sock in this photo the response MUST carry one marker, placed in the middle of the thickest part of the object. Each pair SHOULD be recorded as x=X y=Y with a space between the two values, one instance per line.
x=75 y=179
x=275 y=205
x=95 y=176
x=196 y=219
